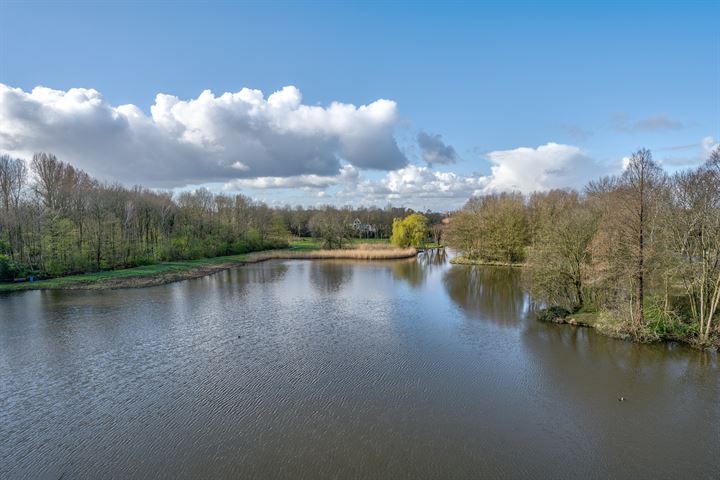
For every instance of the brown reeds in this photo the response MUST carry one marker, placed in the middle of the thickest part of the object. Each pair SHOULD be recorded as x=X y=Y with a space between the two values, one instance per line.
x=363 y=252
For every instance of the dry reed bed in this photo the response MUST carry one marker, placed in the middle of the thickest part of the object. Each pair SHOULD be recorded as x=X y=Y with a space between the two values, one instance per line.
x=371 y=253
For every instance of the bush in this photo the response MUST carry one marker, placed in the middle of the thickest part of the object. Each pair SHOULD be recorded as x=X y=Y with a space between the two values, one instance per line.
x=552 y=313
x=668 y=325
x=8 y=269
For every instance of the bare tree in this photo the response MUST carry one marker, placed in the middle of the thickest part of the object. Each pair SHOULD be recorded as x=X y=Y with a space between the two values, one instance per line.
x=332 y=226
x=49 y=174
x=626 y=238
x=692 y=226
x=560 y=257
x=491 y=228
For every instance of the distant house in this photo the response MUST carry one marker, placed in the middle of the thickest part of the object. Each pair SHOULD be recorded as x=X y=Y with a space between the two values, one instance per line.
x=363 y=228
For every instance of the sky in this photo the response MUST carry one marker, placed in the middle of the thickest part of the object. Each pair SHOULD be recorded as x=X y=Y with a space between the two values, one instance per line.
x=416 y=104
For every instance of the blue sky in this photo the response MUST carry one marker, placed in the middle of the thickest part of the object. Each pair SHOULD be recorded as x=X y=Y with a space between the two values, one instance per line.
x=489 y=78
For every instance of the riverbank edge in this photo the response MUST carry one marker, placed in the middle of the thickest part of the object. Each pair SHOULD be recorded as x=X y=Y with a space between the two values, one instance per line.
x=591 y=320
x=460 y=260
x=170 y=272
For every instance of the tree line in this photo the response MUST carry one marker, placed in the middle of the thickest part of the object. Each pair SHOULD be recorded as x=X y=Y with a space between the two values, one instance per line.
x=56 y=220
x=641 y=248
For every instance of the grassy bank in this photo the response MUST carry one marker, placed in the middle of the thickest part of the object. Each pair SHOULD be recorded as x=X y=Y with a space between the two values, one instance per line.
x=614 y=327
x=168 y=272
x=146 y=275
x=460 y=260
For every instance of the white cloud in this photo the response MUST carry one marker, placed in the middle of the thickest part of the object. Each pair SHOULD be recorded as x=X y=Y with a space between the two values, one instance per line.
x=421 y=182
x=548 y=166
x=521 y=169
x=246 y=141
x=347 y=174
x=210 y=138
x=708 y=145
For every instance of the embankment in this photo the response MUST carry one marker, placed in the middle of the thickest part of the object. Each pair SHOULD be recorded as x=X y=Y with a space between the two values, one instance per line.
x=168 y=272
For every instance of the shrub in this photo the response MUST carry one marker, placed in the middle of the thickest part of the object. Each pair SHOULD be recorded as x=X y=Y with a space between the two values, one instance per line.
x=668 y=325
x=551 y=314
x=8 y=269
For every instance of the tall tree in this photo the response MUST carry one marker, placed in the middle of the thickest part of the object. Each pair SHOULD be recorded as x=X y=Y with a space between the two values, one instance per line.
x=626 y=238
x=560 y=256
x=332 y=226
x=411 y=231
x=692 y=230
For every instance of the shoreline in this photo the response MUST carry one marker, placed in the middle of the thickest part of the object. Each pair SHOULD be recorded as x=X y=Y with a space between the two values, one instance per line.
x=171 y=272
x=460 y=260
x=591 y=320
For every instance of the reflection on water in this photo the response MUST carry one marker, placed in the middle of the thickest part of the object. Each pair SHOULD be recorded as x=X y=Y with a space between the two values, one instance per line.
x=409 y=271
x=415 y=271
x=435 y=257
x=490 y=293
x=330 y=275
x=341 y=369
x=257 y=275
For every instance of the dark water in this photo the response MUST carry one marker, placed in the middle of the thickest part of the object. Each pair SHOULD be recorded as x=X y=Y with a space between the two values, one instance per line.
x=335 y=369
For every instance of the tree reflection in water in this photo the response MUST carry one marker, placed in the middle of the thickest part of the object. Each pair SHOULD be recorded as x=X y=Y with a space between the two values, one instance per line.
x=489 y=293
x=328 y=276
x=415 y=271
x=257 y=273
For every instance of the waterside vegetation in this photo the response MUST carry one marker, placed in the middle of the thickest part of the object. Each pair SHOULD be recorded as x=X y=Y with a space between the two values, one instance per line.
x=635 y=255
x=57 y=221
x=168 y=272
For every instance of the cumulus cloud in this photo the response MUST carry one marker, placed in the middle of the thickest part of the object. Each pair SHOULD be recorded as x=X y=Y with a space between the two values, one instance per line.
x=654 y=123
x=548 y=166
x=421 y=183
x=239 y=135
x=521 y=169
x=347 y=175
x=247 y=141
x=434 y=150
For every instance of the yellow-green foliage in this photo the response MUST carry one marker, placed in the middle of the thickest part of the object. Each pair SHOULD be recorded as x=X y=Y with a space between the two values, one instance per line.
x=411 y=231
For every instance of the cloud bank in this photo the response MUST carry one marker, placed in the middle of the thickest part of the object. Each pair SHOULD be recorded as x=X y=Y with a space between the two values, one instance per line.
x=209 y=138
x=522 y=169
x=244 y=141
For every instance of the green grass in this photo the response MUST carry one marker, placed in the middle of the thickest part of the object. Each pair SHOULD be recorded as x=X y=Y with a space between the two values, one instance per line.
x=305 y=244
x=460 y=260
x=144 y=271
x=587 y=319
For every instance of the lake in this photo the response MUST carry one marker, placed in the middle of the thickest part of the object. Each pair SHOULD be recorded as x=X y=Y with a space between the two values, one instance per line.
x=341 y=369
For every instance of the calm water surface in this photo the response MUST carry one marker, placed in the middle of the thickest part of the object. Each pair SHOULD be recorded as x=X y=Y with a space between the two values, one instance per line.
x=335 y=369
